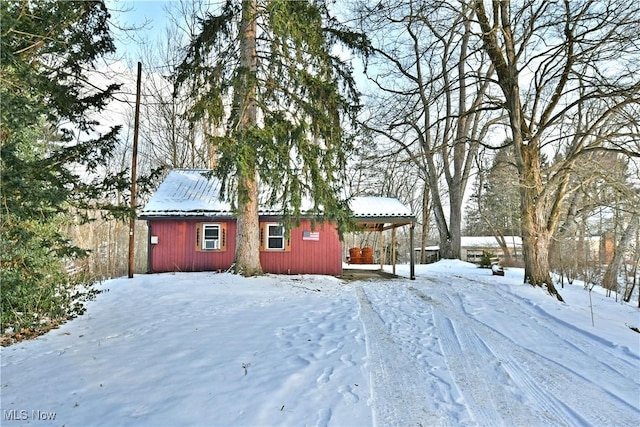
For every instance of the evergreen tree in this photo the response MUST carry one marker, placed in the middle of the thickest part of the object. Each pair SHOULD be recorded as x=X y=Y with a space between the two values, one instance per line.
x=50 y=150
x=495 y=200
x=475 y=225
x=501 y=199
x=280 y=97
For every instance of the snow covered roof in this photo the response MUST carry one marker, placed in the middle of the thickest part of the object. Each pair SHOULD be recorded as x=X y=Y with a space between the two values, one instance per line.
x=193 y=192
x=187 y=192
x=380 y=208
x=488 y=241
x=480 y=242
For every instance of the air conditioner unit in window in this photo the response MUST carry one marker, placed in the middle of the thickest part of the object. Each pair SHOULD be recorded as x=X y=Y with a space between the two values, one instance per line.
x=212 y=244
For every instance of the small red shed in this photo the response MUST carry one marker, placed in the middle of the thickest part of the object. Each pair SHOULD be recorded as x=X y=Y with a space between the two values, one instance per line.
x=191 y=229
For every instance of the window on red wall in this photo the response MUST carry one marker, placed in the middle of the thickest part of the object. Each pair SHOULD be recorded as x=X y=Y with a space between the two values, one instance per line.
x=211 y=236
x=273 y=238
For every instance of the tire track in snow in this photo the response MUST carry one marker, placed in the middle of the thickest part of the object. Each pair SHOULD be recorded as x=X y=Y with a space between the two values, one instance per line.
x=592 y=360
x=488 y=401
x=579 y=339
x=491 y=402
x=560 y=396
x=399 y=388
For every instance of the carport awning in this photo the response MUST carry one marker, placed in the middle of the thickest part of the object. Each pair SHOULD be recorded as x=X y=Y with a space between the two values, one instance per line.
x=381 y=224
x=380 y=213
x=384 y=213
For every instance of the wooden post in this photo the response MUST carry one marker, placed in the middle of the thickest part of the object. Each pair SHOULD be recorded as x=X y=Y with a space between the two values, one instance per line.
x=134 y=164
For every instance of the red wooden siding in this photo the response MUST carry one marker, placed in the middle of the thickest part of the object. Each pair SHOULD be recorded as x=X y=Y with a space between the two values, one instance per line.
x=322 y=256
x=176 y=247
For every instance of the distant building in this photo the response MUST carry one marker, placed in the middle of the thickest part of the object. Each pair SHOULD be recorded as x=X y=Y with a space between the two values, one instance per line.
x=432 y=254
x=598 y=249
x=472 y=248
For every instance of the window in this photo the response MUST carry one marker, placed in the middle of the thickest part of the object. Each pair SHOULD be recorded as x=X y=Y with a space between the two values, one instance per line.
x=474 y=255
x=275 y=236
x=210 y=237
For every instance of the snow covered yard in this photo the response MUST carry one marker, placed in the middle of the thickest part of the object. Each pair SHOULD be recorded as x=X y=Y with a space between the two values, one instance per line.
x=457 y=346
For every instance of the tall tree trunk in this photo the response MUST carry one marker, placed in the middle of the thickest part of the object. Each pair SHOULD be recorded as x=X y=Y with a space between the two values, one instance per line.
x=458 y=181
x=536 y=233
x=247 y=260
x=248 y=232
x=426 y=208
x=446 y=247
x=502 y=242
x=634 y=270
x=610 y=279
x=455 y=220
x=536 y=237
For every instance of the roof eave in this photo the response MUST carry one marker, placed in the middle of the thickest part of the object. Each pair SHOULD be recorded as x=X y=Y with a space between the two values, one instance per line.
x=386 y=219
x=185 y=214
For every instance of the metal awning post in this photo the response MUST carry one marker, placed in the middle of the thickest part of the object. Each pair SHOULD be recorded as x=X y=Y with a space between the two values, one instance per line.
x=393 y=249
x=412 y=257
x=381 y=250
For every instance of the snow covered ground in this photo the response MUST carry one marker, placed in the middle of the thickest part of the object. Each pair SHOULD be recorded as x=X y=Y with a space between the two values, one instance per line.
x=457 y=346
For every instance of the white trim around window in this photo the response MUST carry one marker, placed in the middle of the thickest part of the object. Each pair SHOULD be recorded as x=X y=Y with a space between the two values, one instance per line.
x=211 y=237
x=275 y=236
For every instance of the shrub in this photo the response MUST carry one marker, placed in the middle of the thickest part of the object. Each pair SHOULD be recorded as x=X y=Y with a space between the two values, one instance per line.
x=37 y=292
x=485 y=261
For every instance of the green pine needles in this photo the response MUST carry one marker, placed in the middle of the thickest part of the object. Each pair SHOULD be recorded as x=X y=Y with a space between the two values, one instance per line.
x=303 y=93
x=49 y=145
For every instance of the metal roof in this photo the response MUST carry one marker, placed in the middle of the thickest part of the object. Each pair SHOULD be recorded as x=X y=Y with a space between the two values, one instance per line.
x=194 y=192
x=379 y=209
x=187 y=192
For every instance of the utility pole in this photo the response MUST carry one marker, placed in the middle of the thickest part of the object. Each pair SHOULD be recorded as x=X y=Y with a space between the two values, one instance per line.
x=134 y=164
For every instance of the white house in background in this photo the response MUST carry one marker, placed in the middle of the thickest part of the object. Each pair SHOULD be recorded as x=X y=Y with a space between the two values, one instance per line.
x=472 y=247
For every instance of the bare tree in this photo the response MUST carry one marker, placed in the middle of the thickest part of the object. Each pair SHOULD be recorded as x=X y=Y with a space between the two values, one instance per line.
x=172 y=137
x=430 y=82
x=610 y=278
x=631 y=270
x=600 y=206
x=568 y=74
